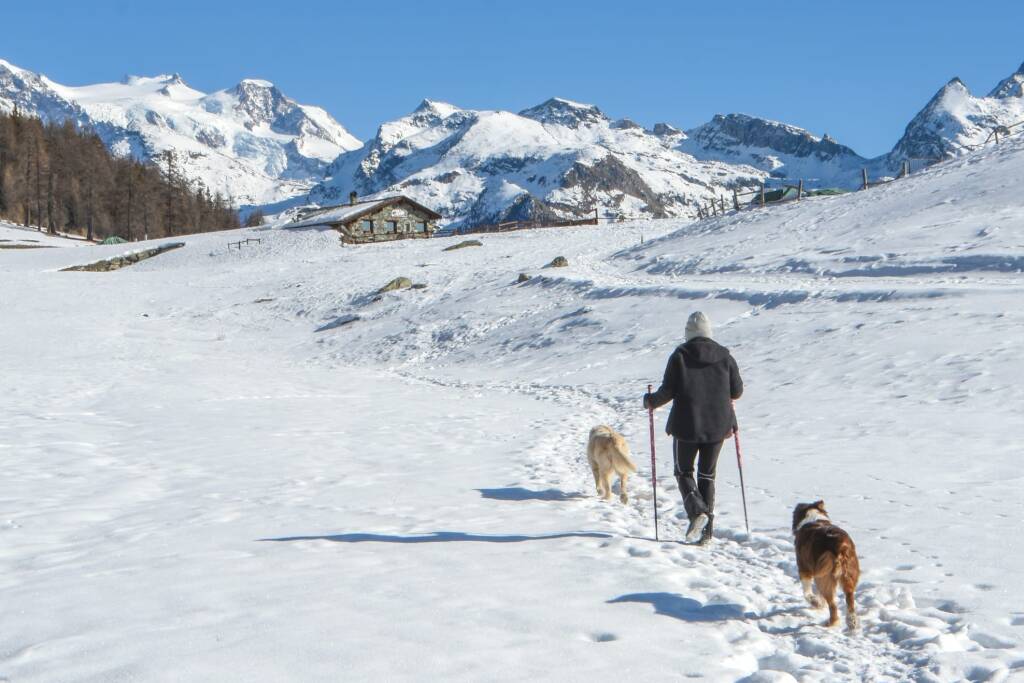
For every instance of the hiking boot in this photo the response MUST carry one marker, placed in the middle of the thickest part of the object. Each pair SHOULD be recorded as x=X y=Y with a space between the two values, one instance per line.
x=708 y=532
x=697 y=525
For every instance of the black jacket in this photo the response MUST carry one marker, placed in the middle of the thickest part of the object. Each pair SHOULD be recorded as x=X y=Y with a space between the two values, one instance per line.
x=701 y=379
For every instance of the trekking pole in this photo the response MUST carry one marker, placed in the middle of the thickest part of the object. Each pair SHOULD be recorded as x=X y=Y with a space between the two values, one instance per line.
x=654 y=466
x=743 y=489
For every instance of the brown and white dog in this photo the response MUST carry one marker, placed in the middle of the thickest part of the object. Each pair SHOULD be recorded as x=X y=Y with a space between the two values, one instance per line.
x=608 y=455
x=825 y=554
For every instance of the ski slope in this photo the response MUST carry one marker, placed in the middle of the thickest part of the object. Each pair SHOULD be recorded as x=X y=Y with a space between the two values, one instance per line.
x=241 y=465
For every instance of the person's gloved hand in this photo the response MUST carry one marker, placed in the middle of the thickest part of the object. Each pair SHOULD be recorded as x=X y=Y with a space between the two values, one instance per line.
x=647 y=401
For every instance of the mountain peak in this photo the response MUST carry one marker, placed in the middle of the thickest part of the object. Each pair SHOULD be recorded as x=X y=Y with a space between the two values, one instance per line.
x=154 y=82
x=626 y=124
x=776 y=148
x=1011 y=86
x=665 y=130
x=955 y=84
x=441 y=109
x=948 y=96
x=255 y=83
x=563 y=112
x=249 y=88
x=7 y=66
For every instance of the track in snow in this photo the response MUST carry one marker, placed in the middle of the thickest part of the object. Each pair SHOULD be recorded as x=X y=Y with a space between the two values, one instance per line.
x=743 y=589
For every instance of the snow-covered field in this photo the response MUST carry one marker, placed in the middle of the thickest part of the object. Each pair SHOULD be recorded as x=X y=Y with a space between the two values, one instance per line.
x=21 y=237
x=239 y=465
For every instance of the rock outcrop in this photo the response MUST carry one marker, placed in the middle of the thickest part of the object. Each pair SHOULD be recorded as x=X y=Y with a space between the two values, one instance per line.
x=125 y=260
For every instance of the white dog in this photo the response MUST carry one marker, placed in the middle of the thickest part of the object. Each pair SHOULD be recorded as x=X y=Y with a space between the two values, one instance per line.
x=608 y=454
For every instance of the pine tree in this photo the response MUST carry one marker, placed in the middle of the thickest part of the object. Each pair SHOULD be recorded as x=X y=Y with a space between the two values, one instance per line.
x=255 y=218
x=57 y=177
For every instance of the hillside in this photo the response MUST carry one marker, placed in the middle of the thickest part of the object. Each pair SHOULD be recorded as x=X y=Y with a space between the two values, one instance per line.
x=249 y=142
x=954 y=121
x=560 y=159
x=395 y=486
x=783 y=151
x=62 y=178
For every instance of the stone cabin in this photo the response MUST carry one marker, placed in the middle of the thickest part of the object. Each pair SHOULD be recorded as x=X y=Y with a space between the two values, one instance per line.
x=373 y=220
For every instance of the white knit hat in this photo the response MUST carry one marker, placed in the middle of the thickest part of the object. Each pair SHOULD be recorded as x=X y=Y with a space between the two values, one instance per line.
x=698 y=325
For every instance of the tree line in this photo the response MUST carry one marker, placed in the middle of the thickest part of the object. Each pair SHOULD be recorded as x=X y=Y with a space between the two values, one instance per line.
x=62 y=179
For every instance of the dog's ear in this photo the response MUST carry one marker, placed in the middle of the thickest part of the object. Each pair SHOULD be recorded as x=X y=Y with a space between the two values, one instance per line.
x=798 y=514
x=820 y=505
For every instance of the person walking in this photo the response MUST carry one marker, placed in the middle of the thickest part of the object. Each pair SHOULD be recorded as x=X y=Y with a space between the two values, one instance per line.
x=701 y=380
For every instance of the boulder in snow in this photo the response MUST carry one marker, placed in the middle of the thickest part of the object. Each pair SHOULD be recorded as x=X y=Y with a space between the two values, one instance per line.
x=397 y=283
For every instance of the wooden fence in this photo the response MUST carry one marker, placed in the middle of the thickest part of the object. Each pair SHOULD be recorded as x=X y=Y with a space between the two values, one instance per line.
x=1005 y=131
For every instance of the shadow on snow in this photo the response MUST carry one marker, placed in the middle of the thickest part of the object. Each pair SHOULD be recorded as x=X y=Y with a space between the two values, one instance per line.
x=519 y=493
x=688 y=609
x=440 y=537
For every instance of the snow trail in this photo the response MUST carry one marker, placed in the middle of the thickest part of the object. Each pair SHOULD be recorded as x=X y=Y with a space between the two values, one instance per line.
x=746 y=587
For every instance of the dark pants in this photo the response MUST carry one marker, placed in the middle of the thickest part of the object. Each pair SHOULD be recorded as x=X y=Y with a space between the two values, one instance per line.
x=699 y=495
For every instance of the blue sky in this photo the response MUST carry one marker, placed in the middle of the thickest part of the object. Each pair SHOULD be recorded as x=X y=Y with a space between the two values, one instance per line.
x=856 y=70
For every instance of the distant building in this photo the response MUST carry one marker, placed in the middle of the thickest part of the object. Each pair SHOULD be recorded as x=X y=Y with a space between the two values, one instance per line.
x=373 y=220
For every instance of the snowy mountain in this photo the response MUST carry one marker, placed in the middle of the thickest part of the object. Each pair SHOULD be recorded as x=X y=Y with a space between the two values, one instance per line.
x=559 y=159
x=949 y=125
x=781 y=150
x=954 y=119
x=250 y=142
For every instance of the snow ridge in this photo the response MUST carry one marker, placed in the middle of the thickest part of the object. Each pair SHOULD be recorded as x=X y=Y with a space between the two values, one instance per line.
x=784 y=151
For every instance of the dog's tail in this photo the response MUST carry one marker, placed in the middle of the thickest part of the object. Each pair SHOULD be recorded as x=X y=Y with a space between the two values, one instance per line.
x=837 y=565
x=621 y=450
x=847 y=565
x=828 y=564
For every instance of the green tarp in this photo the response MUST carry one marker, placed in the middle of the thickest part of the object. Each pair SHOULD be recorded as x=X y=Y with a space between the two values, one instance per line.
x=114 y=239
x=781 y=194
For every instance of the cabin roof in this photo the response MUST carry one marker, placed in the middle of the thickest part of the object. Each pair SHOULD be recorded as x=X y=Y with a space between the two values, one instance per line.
x=346 y=213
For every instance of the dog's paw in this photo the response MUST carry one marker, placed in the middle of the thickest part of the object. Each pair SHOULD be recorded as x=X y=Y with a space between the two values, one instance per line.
x=815 y=601
x=624 y=498
x=852 y=623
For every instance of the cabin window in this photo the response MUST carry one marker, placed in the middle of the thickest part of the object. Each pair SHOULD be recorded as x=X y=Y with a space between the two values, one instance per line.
x=366 y=225
x=420 y=226
x=390 y=226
